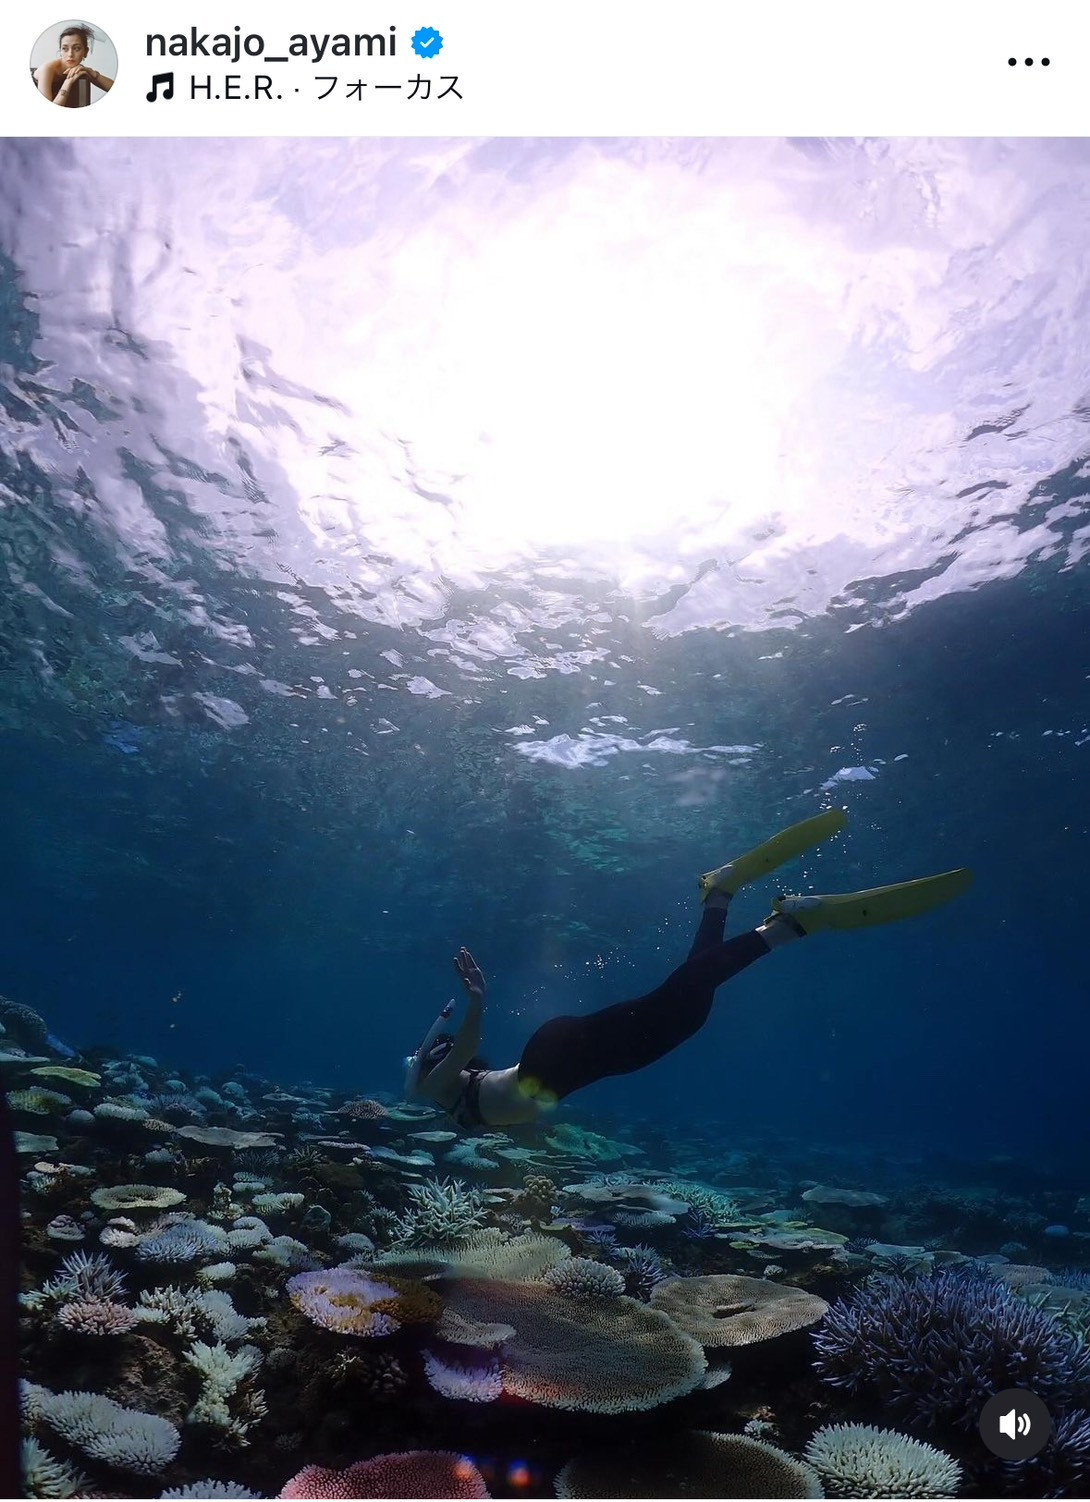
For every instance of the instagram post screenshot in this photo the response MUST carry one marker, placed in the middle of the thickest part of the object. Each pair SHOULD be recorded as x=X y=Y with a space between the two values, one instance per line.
x=544 y=751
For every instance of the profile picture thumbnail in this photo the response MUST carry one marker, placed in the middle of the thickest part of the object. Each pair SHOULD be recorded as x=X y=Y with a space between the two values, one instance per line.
x=73 y=64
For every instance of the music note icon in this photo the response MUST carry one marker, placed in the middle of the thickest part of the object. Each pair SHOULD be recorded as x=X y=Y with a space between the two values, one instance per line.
x=166 y=80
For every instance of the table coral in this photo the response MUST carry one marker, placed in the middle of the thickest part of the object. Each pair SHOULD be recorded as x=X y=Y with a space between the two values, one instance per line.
x=413 y=1473
x=344 y=1299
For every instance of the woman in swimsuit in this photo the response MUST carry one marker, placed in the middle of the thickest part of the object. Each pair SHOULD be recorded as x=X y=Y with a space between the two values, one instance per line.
x=59 y=78
x=568 y=1053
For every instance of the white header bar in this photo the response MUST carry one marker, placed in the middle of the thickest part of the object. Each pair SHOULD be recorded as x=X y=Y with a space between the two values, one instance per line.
x=495 y=67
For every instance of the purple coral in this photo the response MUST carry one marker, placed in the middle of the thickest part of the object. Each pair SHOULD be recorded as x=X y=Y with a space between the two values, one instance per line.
x=642 y=1268
x=1062 y=1469
x=934 y=1349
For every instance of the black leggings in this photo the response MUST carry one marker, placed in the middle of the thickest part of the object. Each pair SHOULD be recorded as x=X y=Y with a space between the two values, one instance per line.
x=567 y=1053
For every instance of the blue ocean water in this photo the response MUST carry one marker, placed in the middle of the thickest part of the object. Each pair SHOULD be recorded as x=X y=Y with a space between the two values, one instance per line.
x=225 y=778
x=426 y=543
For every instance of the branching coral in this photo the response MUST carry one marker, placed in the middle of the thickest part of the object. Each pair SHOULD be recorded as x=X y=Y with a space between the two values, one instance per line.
x=936 y=1348
x=440 y=1210
x=642 y=1267
x=211 y=1491
x=223 y=1372
x=86 y=1276
x=96 y=1317
x=45 y=1476
x=192 y=1311
x=1062 y=1469
x=185 y=1241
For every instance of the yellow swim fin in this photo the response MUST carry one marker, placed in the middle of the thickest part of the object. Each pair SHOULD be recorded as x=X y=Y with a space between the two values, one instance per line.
x=904 y=899
x=777 y=851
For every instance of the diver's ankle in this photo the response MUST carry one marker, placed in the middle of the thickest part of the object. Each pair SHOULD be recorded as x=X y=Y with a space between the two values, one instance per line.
x=779 y=929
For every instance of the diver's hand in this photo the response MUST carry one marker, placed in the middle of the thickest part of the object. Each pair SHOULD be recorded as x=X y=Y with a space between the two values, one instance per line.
x=469 y=972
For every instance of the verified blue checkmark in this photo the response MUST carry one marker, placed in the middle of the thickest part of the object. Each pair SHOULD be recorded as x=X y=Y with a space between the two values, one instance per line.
x=427 y=42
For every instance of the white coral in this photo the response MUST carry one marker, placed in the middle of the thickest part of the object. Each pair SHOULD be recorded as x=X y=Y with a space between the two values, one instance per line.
x=478 y=1380
x=186 y=1241
x=222 y=1369
x=103 y=1430
x=210 y=1489
x=247 y=1232
x=222 y=1318
x=30 y=1402
x=169 y=1305
x=583 y=1278
x=85 y=1276
x=192 y=1311
x=276 y=1204
x=858 y=1460
x=285 y=1251
x=223 y=1372
x=440 y=1210
x=216 y=1272
x=45 y=1476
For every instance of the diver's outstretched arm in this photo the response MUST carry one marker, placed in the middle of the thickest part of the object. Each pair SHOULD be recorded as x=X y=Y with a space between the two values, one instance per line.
x=467 y=1038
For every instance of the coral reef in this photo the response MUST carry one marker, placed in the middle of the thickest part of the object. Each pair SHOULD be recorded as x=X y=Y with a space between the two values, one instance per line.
x=228 y=1283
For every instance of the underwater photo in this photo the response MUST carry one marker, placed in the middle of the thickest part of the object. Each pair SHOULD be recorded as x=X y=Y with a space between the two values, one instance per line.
x=544 y=749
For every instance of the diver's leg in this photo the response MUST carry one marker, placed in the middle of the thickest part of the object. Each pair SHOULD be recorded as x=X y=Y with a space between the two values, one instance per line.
x=719 y=886
x=570 y=1052
x=712 y=926
x=567 y=1053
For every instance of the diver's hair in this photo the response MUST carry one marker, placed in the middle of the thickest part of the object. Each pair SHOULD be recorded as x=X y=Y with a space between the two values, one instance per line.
x=81 y=30
x=476 y=1062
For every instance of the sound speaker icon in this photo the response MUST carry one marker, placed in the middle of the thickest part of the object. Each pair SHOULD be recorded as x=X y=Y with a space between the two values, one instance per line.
x=1014 y=1423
